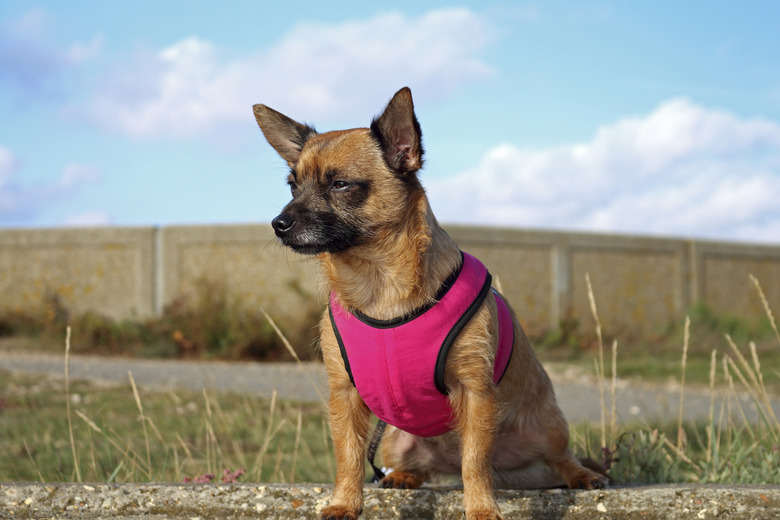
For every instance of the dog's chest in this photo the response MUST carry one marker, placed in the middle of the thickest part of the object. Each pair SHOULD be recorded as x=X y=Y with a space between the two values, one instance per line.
x=398 y=365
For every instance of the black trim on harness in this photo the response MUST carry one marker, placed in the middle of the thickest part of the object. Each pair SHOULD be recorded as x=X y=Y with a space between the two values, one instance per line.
x=416 y=313
x=512 y=348
x=341 y=345
x=441 y=359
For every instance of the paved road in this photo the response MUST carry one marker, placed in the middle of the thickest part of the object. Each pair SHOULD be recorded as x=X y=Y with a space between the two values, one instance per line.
x=578 y=395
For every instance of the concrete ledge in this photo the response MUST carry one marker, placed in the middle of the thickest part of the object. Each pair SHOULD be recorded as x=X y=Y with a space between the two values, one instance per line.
x=273 y=501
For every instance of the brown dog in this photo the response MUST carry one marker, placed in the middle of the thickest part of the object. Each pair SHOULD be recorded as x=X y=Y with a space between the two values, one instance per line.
x=359 y=207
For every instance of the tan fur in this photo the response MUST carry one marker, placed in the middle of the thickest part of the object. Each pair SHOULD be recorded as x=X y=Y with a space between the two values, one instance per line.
x=515 y=431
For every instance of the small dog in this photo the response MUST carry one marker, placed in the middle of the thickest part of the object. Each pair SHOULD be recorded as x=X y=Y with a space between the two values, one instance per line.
x=413 y=332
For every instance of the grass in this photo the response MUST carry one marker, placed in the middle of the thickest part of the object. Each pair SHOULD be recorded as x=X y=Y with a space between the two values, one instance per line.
x=122 y=434
x=62 y=430
x=726 y=449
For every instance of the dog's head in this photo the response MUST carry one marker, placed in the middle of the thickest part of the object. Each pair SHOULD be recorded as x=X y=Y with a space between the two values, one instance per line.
x=346 y=185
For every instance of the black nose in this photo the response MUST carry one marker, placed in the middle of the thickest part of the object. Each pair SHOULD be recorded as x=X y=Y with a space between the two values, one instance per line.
x=282 y=224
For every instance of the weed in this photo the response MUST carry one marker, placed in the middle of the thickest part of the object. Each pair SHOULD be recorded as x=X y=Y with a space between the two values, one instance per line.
x=640 y=457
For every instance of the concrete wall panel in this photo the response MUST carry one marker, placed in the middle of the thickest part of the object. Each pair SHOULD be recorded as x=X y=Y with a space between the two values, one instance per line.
x=725 y=279
x=254 y=269
x=108 y=270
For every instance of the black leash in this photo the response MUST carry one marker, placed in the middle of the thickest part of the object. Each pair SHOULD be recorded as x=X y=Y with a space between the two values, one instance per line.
x=376 y=438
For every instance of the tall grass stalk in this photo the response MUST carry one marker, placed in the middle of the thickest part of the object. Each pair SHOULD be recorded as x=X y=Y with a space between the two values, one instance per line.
x=291 y=350
x=270 y=433
x=76 y=467
x=757 y=394
x=296 y=447
x=142 y=418
x=762 y=391
x=613 y=422
x=126 y=450
x=600 y=362
x=765 y=304
x=686 y=339
x=32 y=461
x=711 y=424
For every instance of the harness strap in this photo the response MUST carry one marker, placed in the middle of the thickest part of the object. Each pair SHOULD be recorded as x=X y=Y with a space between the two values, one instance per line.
x=376 y=438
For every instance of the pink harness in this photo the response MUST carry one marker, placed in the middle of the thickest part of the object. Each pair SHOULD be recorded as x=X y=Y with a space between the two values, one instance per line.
x=398 y=365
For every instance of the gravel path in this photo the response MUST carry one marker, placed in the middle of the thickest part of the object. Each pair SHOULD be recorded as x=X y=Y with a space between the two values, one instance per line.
x=578 y=395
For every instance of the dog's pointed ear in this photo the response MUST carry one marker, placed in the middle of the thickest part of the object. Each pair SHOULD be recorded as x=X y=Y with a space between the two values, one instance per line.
x=286 y=136
x=399 y=134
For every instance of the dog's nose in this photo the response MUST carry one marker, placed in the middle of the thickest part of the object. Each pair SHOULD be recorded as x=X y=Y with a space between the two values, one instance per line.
x=282 y=224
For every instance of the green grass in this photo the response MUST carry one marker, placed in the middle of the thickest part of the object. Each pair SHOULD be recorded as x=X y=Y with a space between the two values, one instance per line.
x=58 y=430
x=171 y=436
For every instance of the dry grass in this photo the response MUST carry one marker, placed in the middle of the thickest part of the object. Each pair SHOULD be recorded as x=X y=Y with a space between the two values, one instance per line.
x=728 y=448
x=71 y=431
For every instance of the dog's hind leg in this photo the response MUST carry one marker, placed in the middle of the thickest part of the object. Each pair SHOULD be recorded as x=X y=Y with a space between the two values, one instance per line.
x=560 y=458
x=534 y=476
x=576 y=475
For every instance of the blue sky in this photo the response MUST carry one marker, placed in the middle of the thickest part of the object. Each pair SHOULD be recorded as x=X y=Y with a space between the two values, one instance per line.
x=658 y=118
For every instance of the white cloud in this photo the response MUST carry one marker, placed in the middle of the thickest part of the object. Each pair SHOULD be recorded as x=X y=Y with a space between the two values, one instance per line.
x=94 y=218
x=8 y=165
x=316 y=71
x=79 y=52
x=21 y=203
x=34 y=22
x=681 y=170
x=75 y=174
x=30 y=61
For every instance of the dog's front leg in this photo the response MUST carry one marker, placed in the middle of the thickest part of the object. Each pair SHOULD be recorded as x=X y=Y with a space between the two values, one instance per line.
x=349 y=422
x=477 y=415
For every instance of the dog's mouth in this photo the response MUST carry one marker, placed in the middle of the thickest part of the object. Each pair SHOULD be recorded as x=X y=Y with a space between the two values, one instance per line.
x=306 y=249
x=314 y=247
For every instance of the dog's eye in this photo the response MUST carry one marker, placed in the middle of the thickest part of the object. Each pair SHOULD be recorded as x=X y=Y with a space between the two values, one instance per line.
x=293 y=187
x=340 y=185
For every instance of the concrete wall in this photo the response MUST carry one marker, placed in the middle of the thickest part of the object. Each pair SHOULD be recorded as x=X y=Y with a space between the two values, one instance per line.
x=103 y=269
x=641 y=284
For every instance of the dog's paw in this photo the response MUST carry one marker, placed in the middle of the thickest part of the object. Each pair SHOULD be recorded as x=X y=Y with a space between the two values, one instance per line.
x=588 y=479
x=339 y=513
x=401 y=480
x=489 y=514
